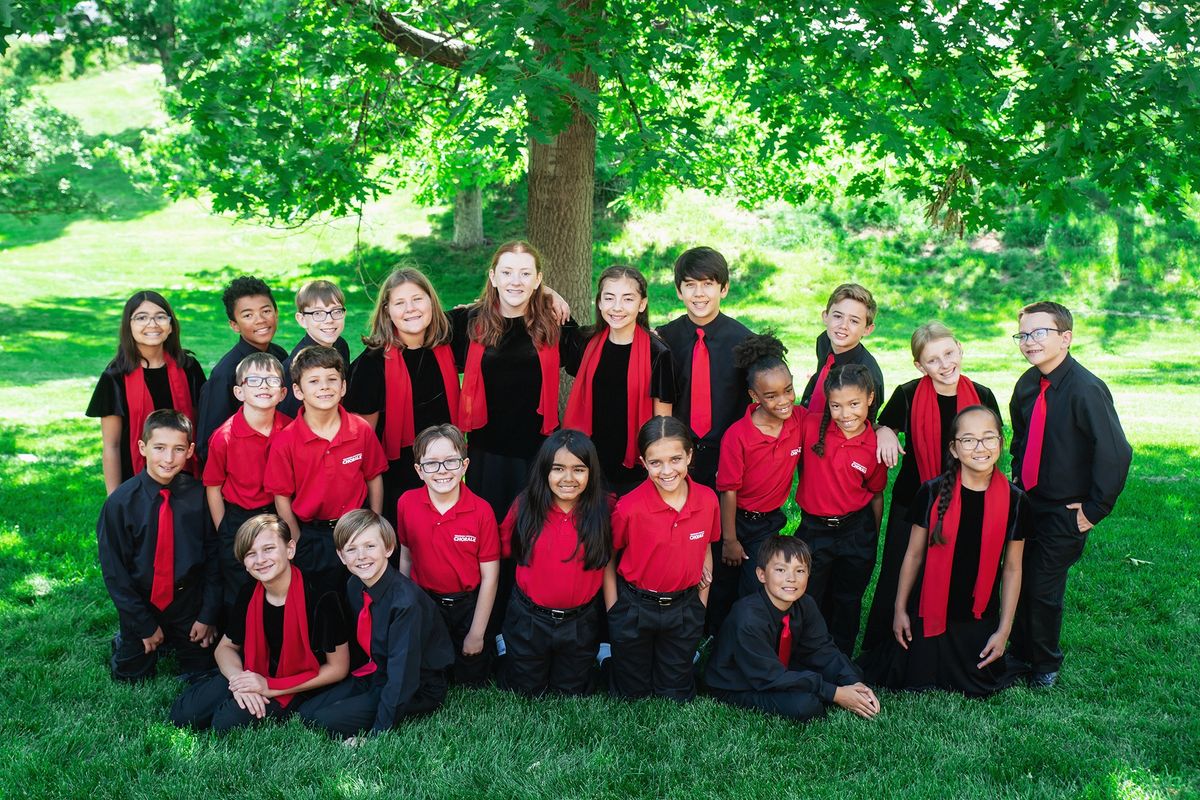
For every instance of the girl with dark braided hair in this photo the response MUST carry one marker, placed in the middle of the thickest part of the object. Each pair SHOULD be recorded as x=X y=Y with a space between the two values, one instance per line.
x=961 y=575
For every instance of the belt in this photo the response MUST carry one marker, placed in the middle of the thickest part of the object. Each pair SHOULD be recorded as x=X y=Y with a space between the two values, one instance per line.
x=754 y=515
x=450 y=600
x=322 y=524
x=835 y=522
x=663 y=599
x=557 y=614
x=269 y=508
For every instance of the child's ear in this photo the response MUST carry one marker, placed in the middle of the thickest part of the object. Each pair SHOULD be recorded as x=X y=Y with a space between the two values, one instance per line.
x=291 y=549
x=142 y=448
x=191 y=450
x=466 y=463
x=1066 y=337
x=341 y=556
x=388 y=554
x=239 y=392
x=233 y=326
x=297 y=392
x=868 y=329
x=761 y=573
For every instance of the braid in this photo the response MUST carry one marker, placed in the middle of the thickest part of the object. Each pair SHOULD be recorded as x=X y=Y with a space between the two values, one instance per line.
x=855 y=375
x=945 y=493
x=819 y=445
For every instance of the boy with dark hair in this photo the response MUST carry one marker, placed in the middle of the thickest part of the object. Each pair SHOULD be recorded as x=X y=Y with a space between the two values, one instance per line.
x=253 y=314
x=849 y=317
x=1071 y=457
x=711 y=391
x=774 y=653
x=323 y=465
x=321 y=312
x=158 y=555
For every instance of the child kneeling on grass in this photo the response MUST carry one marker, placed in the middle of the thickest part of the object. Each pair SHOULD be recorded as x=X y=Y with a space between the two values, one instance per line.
x=774 y=653
x=285 y=639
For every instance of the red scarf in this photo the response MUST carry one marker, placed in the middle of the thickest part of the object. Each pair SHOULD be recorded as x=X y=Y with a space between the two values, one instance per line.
x=297 y=664
x=927 y=423
x=638 y=405
x=935 y=586
x=472 y=408
x=141 y=404
x=398 y=430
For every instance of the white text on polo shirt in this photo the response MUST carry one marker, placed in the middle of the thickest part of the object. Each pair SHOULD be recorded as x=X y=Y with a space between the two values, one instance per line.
x=463 y=537
x=859 y=467
x=694 y=536
x=352 y=459
x=795 y=452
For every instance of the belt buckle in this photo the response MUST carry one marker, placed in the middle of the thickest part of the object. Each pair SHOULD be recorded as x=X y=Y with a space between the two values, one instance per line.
x=447 y=602
x=558 y=614
x=834 y=522
x=664 y=601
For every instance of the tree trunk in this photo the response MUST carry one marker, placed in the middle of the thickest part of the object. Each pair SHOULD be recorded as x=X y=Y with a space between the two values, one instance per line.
x=468 y=218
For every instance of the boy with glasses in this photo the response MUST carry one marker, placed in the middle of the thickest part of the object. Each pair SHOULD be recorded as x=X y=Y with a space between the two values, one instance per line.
x=321 y=312
x=1071 y=456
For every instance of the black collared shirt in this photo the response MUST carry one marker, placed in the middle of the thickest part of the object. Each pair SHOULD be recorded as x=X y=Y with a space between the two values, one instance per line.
x=408 y=639
x=1085 y=455
x=127 y=535
x=746 y=658
x=217 y=402
x=290 y=405
x=727 y=382
x=855 y=355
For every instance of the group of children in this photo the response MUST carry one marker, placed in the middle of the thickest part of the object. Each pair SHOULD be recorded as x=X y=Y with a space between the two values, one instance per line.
x=405 y=531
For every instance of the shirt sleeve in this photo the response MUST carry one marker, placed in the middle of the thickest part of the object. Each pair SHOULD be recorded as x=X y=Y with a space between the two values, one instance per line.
x=662 y=372
x=105 y=400
x=403 y=665
x=814 y=647
x=214 y=467
x=328 y=630
x=375 y=463
x=715 y=525
x=401 y=528
x=571 y=343
x=116 y=554
x=216 y=406
x=1022 y=517
x=895 y=413
x=506 y=531
x=731 y=462
x=918 y=509
x=278 y=477
x=235 y=626
x=756 y=655
x=489 y=535
x=876 y=480
x=365 y=395
x=1111 y=453
x=620 y=527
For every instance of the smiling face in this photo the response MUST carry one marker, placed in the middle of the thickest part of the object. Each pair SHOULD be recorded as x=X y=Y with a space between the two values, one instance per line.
x=411 y=311
x=667 y=462
x=366 y=556
x=515 y=277
x=327 y=330
x=773 y=390
x=166 y=454
x=846 y=323
x=981 y=451
x=264 y=396
x=568 y=478
x=848 y=407
x=620 y=303
x=320 y=388
x=254 y=319
x=701 y=298
x=149 y=324
x=269 y=555
x=785 y=581
x=1050 y=351
x=444 y=481
x=941 y=360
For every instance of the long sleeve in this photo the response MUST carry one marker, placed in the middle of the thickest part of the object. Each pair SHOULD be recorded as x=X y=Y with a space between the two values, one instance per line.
x=403 y=665
x=116 y=554
x=210 y=607
x=812 y=644
x=1112 y=453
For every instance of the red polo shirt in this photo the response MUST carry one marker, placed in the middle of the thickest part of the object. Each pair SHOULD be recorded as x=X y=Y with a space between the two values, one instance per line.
x=324 y=478
x=447 y=549
x=664 y=548
x=554 y=576
x=237 y=460
x=759 y=467
x=843 y=480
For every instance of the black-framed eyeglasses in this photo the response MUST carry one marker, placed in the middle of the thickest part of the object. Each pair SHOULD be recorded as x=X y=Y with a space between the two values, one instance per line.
x=258 y=381
x=991 y=442
x=321 y=315
x=1037 y=335
x=450 y=464
x=146 y=319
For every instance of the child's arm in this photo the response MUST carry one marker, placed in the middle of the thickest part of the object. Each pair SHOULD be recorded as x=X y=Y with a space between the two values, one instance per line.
x=877 y=509
x=336 y=667
x=914 y=556
x=283 y=507
x=732 y=552
x=887 y=446
x=489 y=574
x=216 y=504
x=229 y=660
x=375 y=494
x=110 y=452
x=706 y=576
x=405 y=561
x=116 y=554
x=1010 y=590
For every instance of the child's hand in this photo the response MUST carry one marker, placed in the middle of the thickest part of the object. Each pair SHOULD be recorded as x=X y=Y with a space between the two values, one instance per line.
x=887 y=446
x=858 y=699
x=248 y=682
x=732 y=553
x=562 y=311
x=252 y=702
x=902 y=628
x=472 y=644
x=1081 y=521
x=994 y=648
x=155 y=639
x=705 y=578
x=204 y=634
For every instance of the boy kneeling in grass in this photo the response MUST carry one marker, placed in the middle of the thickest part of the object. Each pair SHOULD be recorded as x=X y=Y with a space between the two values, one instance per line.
x=774 y=653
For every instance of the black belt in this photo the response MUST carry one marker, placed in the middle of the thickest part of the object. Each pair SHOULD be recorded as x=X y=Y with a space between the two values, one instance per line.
x=660 y=598
x=322 y=524
x=450 y=600
x=835 y=522
x=557 y=614
x=754 y=515
x=269 y=508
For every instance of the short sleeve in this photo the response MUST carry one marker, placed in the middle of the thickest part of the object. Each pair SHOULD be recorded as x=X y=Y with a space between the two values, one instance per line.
x=918 y=509
x=278 y=478
x=328 y=629
x=506 y=530
x=620 y=526
x=365 y=394
x=375 y=463
x=105 y=401
x=489 y=534
x=571 y=343
x=218 y=450
x=662 y=372
x=731 y=464
x=236 y=624
x=895 y=413
x=1022 y=517
x=401 y=528
x=877 y=479
x=716 y=520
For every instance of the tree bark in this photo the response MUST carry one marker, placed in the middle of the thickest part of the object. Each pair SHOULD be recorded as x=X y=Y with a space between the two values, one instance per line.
x=468 y=218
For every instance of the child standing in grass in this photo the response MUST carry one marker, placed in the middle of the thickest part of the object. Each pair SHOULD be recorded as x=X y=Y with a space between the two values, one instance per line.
x=150 y=371
x=663 y=531
x=959 y=582
x=321 y=312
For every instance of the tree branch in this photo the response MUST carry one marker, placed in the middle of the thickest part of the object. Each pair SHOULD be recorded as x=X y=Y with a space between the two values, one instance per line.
x=436 y=48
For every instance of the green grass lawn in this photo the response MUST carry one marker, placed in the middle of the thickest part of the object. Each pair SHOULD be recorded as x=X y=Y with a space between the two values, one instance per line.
x=1122 y=722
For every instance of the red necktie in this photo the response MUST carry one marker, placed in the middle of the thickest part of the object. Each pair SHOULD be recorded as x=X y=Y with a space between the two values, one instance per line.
x=785 y=641
x=701 y=388
x=1031 y=462
x=364 y=637
x=816 y=402
x=162 y=590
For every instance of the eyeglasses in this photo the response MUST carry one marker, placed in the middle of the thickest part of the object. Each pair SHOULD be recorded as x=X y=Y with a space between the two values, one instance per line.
x=990 y=442
x=450 y=464
x=257 y=381
x=322 y=315
x=146 y=319
x=1037 y=335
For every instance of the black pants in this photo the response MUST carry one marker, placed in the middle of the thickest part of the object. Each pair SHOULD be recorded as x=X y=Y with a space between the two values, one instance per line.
x=458 y=616
x=883 y=602
x=549 y=654
x=350 y=707
x=233 y=572
x=843 y=560
x=724 y=590
x=208 y=703
x=317 y=558
x=498 y=479
x=752 y=530
x=794 y=705
x=130 y=661
x=653 y=645
x=1054 y=547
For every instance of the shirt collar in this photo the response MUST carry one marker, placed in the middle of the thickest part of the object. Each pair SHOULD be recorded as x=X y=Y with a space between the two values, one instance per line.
x=306 y=433
x=1059 y=373
x=465 y=503
x=381 y=587
x=652 y=501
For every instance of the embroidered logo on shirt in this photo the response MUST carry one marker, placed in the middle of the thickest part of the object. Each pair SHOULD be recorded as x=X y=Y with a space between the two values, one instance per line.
x=694 y=536
x=463 y=537
x=352 y=459
x=859 y=467
x=796 y=452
